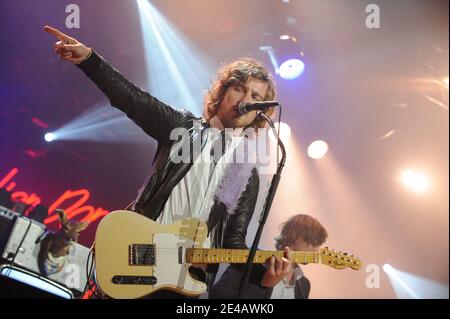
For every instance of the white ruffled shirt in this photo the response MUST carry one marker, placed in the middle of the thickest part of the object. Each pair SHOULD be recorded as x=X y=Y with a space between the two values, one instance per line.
x=193 y=196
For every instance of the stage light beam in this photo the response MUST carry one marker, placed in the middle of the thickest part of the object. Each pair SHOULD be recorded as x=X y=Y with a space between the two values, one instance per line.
x=100 y=123
x=177 y=73
x=409 y=286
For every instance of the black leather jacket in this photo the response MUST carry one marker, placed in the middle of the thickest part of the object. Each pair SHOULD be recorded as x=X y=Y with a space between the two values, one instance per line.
x=158 y=120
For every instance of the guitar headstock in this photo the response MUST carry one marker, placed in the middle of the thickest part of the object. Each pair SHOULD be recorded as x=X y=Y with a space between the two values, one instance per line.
x=339 y=259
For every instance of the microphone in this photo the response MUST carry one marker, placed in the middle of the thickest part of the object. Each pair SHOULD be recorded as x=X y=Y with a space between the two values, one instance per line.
x=244 y=108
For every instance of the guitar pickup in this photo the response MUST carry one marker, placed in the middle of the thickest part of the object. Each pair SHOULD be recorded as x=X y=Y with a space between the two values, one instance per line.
x=141 y=255
x=134 y=280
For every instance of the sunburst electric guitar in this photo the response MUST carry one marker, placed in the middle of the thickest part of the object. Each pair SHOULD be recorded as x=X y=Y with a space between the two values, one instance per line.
x=135 y=256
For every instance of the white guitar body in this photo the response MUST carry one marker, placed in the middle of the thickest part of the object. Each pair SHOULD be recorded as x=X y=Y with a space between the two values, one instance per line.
x=165 y=245
x=135 y=256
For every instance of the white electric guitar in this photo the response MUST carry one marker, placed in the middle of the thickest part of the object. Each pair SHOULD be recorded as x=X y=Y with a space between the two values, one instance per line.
x=135 y=256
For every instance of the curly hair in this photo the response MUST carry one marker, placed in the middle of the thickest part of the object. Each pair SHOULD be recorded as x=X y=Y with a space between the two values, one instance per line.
x=303 y=227
x=238 y=72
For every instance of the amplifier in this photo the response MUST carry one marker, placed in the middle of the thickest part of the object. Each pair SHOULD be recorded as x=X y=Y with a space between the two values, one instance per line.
x=22 y=248
x=16 y=283
x=6 y=218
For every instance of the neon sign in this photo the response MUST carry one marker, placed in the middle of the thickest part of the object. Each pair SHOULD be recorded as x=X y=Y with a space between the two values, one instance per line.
x=65 y=201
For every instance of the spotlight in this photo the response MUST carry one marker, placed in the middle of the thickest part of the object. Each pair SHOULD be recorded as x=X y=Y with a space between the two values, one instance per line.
x=387 y=268
x=415 y=181
x=445 y=81
x=49 y=137
x=291 y=69
x=317 y=149
x=285 y=54
x=285 y=131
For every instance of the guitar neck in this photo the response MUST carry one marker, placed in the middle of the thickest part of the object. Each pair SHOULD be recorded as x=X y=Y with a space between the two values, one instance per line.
x=239 y=256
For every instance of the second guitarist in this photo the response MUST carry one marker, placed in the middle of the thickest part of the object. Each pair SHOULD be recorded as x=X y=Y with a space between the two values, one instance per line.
x=301 y=233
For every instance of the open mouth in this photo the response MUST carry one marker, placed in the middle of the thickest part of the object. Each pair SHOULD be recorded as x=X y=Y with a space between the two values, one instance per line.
x=236 y=110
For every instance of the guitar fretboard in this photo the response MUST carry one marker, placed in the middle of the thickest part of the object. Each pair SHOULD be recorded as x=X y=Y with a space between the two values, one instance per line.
x=237 y=256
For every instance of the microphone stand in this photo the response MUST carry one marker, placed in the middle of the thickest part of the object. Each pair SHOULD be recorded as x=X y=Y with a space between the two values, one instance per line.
x=265 y=213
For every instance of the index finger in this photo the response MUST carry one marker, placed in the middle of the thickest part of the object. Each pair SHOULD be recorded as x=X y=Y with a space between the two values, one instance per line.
x=56 y=33
x=288 y=253
x=272 y=265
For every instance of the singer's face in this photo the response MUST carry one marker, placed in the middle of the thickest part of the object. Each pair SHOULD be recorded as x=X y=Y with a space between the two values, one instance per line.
x=252 y=91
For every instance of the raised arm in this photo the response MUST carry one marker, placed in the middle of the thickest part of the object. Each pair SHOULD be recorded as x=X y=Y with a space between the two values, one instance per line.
x=154 y=117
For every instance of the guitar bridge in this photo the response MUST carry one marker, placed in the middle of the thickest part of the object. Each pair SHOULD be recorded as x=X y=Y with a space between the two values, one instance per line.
x=141 y=255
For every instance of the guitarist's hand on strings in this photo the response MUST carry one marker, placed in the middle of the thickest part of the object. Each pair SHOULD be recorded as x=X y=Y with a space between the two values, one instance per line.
x=278 y=268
